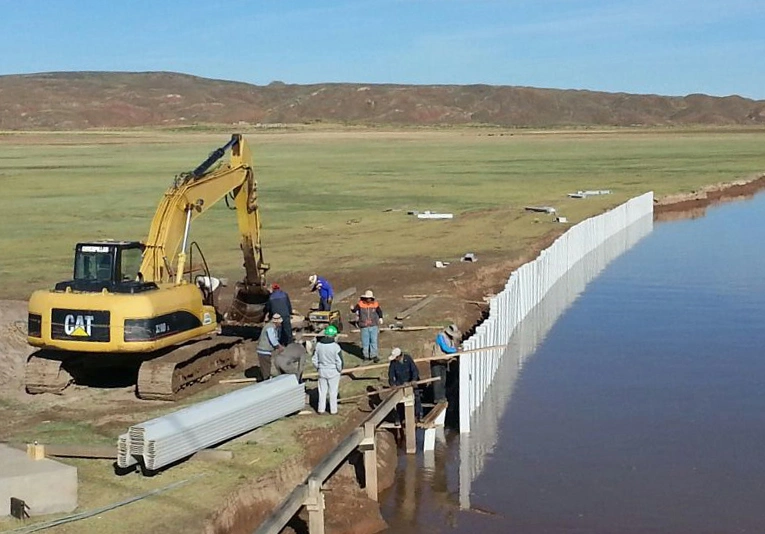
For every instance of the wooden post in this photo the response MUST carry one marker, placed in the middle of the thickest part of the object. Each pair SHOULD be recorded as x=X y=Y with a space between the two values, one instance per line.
x=35 y=451
x=369 y=446
x=410 y=424
x=315 y=506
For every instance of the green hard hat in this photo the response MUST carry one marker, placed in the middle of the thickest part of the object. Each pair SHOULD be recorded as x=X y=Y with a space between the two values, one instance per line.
x=330 y=330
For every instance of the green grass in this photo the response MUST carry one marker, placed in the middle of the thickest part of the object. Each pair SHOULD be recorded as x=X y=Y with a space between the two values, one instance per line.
x=62 y=188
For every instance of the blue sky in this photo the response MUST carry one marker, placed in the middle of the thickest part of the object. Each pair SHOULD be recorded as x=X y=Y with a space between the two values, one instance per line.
x=667 y=47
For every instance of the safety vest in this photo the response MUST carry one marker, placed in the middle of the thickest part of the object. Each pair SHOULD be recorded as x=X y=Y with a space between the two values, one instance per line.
x=368 y=313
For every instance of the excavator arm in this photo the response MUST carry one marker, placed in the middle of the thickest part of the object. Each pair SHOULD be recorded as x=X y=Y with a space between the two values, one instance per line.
x=190 y=196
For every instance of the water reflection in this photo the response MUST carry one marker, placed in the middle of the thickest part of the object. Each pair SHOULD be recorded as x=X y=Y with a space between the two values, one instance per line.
x=476 y=446
x=433 y=489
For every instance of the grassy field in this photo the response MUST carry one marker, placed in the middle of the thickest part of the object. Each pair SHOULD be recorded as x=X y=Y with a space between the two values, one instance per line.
x=323 y=194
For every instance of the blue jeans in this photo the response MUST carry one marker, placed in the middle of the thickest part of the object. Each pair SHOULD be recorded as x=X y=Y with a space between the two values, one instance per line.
x=369 y=342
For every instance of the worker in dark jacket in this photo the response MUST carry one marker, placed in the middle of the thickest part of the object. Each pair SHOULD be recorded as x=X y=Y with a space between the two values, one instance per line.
x=279 y=302
x=402 y=371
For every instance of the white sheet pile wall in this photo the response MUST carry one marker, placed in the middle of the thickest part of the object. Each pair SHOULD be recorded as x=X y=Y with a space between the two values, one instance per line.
x=477 y=445
x=525 y=288
x=169 y=438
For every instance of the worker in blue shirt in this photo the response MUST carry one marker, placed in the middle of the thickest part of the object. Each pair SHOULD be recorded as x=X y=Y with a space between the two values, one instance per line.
x=447 y=342
x=326 y=293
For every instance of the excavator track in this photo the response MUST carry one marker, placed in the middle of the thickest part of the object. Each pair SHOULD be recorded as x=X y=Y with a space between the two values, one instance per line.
x=188 y=368
x=45 y=375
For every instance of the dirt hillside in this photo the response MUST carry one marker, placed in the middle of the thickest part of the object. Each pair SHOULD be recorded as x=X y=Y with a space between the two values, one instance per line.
x=13 y=344
x=81 y=100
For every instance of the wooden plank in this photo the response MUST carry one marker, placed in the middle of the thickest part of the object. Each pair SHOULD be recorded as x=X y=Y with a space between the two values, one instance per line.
x=414 y=297
x=362 y=368
x=410 y=424
x=387 y=390
x=284 y=512
x=109 y=452
x=396 y=328
x=330 y=462
x=430 y=420
x=370 y=461
x=415 y=307
x=344 y=294
x=379 y=414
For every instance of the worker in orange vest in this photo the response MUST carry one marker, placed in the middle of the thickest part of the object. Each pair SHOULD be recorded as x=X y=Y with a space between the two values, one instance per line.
x=369 y=317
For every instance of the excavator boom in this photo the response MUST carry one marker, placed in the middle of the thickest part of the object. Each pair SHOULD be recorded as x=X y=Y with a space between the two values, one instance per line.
x=130 y=302
x=190 y=196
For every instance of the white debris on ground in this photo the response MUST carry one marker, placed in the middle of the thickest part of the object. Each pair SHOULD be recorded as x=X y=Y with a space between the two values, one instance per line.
x=431 y=215
x=593 y=193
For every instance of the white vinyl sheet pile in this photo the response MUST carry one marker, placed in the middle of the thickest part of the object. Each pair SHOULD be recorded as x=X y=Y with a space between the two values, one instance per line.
x=166 y=439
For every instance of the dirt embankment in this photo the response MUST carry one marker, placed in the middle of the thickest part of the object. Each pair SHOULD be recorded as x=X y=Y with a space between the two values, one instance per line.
x=13 y=346
x=696 y=202
x=462 y=290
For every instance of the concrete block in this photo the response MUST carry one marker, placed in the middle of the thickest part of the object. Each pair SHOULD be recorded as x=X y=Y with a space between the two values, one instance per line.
x=46 y=486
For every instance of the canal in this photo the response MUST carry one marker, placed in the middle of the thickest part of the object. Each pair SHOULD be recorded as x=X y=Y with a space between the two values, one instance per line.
x=634 y=405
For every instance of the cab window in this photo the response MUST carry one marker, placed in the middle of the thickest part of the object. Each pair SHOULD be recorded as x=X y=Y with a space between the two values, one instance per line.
x=130 y=264
x=93 y=265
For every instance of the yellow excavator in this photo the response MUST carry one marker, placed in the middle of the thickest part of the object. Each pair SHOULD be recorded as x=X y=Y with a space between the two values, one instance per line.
x=139 y=306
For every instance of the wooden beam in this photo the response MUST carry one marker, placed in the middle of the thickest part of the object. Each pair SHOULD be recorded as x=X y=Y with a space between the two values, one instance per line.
x=410 y=423
x=284 y=512
x=388 y=390
x=109 y=452
x=344 y=294
x=314 y=503
x=370 y=461
x=430 y=420
x=415 y=307
x=361 y=368
x=402 y=328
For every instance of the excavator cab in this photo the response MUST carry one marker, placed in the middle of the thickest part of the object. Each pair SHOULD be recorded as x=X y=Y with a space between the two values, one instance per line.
x=110 y=265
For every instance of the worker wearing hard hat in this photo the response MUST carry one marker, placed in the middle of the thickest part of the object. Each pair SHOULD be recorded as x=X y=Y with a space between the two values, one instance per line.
x=369 y=317
x=326 y=293
x=328 y=360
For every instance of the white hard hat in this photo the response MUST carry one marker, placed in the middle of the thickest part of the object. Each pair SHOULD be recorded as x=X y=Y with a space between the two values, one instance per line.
x=395 y=353
x=312 y=279
x=368 y=294
x=276 y=317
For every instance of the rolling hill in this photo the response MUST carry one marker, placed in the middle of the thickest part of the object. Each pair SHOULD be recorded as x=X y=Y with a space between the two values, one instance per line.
x=83 y=100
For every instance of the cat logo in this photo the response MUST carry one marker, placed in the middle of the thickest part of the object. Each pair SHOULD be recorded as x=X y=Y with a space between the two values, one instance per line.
x=78 y=325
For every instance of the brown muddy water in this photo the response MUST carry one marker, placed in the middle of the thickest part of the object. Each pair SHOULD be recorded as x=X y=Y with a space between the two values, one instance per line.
x=634 y=406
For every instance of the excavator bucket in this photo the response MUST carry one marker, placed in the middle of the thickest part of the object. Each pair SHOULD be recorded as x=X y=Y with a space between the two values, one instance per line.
x=248 y=306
